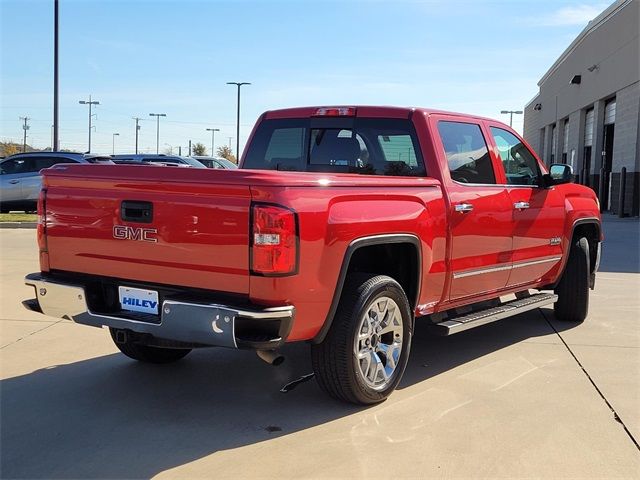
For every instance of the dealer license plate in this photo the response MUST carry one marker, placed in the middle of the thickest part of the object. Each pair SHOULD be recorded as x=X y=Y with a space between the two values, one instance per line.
x=138 y=300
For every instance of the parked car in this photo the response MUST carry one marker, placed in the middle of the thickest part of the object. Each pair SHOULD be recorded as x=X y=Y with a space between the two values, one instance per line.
x=214 y=162
x=20 y=180
x=169 y=160
x=342 y=228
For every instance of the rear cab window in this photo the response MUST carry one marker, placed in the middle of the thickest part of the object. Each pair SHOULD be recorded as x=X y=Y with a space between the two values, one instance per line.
x=368 y=146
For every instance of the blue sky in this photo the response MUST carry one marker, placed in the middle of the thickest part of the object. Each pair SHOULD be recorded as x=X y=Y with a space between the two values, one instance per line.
x=174 y=57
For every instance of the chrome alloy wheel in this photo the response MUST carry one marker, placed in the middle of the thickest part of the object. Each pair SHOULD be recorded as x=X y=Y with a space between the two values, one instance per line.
x=378 y=343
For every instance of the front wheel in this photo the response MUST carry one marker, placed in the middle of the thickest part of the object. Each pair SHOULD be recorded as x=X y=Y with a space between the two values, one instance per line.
x=573 y=288
x=363 y=356
x=147 y=353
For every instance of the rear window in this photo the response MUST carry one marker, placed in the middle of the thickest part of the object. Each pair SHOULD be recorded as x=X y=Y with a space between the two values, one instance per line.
x=348 y=145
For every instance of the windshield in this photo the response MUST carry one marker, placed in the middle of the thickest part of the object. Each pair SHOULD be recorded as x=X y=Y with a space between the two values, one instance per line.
x=193 y=162
x=226 y=163
x=369 y=146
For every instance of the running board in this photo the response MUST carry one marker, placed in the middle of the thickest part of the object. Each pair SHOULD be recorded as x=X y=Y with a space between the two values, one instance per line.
x=482 y=317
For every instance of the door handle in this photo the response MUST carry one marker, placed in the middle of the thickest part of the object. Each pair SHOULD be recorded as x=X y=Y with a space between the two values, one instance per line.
x=521 y=205
x=13 y=182
x=463 y=207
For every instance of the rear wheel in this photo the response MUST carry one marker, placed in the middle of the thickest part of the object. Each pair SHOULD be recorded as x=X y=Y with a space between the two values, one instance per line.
x=573 y=288
x=147 y=353
x=365 y=352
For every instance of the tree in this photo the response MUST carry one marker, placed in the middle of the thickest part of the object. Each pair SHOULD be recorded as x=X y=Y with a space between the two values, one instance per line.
x=226 y=152
x=9 y=148
x=199 y=149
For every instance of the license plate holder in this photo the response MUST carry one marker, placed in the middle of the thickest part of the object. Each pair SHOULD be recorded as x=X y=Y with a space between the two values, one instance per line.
x=138 y=300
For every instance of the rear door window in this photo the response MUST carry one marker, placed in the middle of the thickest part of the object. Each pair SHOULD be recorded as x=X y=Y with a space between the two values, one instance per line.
x=467 y=153
x=46 y=162
x=348 y=145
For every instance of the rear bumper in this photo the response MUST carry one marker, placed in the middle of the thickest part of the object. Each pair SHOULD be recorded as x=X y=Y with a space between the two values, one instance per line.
x=193 y=323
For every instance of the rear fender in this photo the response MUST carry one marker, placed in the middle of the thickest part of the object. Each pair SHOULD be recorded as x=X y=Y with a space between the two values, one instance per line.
x=353 y=247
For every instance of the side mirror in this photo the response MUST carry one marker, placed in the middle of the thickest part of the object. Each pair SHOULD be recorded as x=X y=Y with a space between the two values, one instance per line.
x=559 y=173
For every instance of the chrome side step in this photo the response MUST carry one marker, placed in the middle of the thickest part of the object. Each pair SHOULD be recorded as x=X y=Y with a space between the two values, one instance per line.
x=482 y=317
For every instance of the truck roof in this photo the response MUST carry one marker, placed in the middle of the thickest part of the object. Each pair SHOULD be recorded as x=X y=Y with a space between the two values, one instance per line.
x=366 y=111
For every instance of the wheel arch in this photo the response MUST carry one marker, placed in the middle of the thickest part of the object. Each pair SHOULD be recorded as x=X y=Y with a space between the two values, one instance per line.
x=591 y=229
x=358 y=257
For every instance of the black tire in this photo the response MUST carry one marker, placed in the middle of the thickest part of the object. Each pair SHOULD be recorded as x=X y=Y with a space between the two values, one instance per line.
x=573 y=288
x=335 y=364
x=148 y=354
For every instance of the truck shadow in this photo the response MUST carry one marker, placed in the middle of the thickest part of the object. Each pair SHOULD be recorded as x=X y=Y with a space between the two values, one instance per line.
x=110 y=417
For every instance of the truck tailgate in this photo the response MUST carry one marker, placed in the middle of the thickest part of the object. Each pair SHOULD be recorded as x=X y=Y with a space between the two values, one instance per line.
x=194 y=232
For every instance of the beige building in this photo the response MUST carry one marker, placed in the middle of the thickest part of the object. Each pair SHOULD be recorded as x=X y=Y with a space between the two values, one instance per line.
x=587 y=111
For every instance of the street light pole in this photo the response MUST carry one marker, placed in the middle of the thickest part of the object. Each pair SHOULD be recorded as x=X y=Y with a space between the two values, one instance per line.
x=113 y=143
x=213 y=132
x=238 y=84
x=90 y=103
x=511 y=113
x=55 y=142
x=158 y=115
x=25 y=127
x=137 y=130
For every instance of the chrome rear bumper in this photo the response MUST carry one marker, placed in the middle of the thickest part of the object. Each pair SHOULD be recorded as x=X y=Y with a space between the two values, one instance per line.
x=194 y=323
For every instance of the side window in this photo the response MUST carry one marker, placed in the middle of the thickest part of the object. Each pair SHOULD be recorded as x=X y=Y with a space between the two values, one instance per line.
x=467 y=153
x=46 y=162
x=520 y=166
x=17 y=165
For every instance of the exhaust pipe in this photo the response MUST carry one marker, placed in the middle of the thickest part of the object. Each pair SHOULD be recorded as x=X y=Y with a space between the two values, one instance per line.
x=270 y=356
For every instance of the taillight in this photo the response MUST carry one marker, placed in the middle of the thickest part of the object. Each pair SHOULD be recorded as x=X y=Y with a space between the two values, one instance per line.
x=335 y=112
x=42 y=215
x=41 y=231
x=274 y=241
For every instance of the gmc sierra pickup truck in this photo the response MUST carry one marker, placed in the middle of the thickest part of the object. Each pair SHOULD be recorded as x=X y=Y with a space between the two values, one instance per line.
x=343 y=227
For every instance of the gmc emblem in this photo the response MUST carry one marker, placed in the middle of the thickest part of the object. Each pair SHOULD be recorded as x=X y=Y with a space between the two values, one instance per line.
x=123 y=232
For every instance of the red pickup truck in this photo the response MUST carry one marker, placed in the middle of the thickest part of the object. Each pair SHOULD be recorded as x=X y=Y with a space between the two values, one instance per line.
x=343 y=226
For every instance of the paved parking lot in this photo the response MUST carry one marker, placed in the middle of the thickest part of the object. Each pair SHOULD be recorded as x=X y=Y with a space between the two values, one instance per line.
x=525 y=397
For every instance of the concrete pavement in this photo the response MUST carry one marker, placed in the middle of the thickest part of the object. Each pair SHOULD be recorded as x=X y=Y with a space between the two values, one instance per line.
x=525 y=397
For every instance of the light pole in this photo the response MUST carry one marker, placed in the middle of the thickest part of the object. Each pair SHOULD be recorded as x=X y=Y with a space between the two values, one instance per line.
x=213 y=132
x=25 y=127
x=113 y=143
x=238 y=84
x=137 y=130
x=158 y=115
x=55 y=143
x=511 y=113
x=90 y=103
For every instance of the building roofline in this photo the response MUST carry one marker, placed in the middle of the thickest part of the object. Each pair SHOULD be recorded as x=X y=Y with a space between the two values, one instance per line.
x=593 y=25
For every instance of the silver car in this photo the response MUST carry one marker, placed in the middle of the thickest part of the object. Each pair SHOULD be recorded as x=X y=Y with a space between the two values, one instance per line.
x=214 y=162
x=20 y=179
x=171 y=160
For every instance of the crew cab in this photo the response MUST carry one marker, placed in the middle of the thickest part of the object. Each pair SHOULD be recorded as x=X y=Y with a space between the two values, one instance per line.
x=343 y=227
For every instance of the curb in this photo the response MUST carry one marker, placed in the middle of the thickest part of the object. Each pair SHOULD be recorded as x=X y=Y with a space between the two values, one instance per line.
x=18 y=224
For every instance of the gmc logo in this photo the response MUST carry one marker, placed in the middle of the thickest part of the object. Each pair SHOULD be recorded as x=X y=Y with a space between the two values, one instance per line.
x=123 y=232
